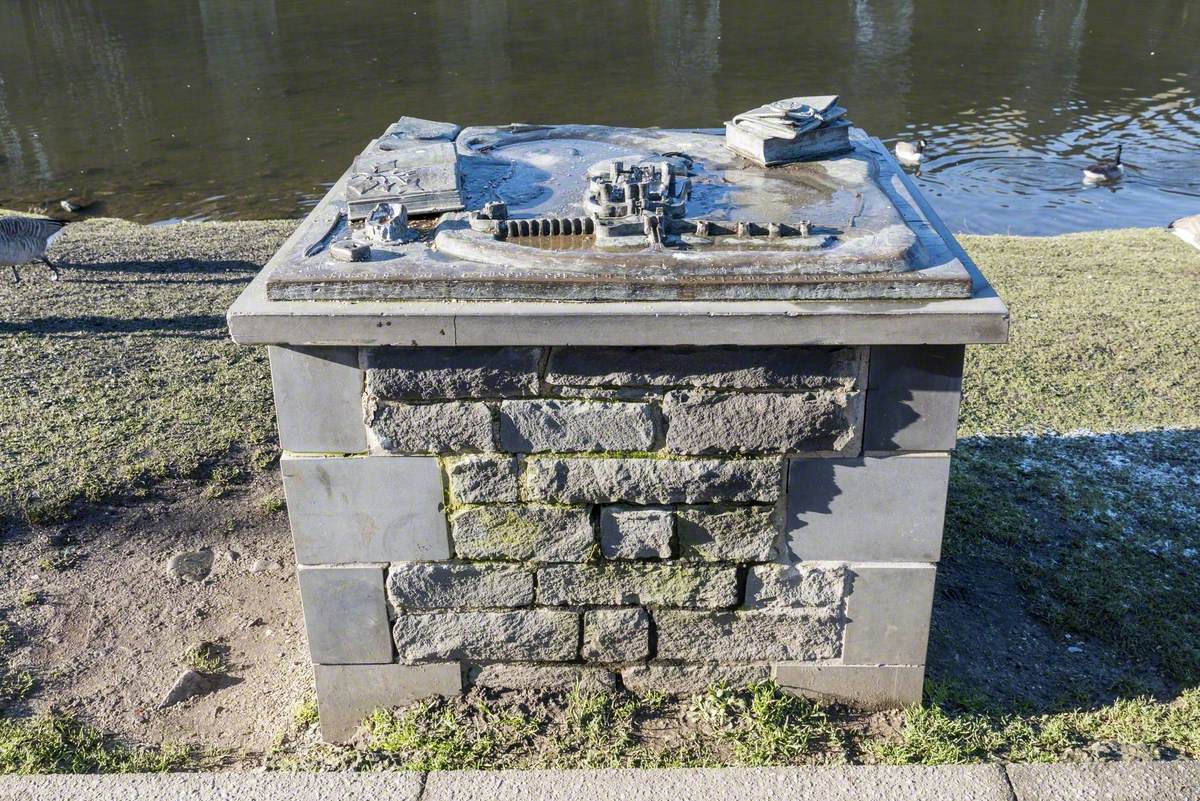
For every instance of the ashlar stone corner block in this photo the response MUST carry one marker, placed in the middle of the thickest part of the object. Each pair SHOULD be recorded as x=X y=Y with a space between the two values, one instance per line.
x=318 y=399
x=347 y=694
x=365 y=509
x=636 y=532
x=887 y=613
x=345 y=614
x=565 y=426
x=913 y=398
x=872 y=509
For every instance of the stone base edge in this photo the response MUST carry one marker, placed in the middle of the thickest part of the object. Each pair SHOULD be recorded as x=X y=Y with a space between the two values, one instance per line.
x=346 y=694
x=867 y=687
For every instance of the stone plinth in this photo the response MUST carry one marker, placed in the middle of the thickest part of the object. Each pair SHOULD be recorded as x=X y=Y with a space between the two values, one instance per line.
x=654 y=495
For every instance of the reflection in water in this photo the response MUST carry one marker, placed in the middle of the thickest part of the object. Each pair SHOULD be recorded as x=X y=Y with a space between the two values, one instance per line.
x=249 y=108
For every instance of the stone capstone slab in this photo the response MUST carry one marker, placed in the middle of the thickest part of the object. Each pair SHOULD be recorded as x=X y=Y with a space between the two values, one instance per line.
x=690 y=679
x=436 y=373
x=754 y=636
x=451 y=427
x=727 y=534
x=657 y=584
x=636 y=532
x=652 y=480
x=703 y=422
x=616 y=635
x=484 y=479
x=345 y=613
x=365 y=509
x=565 y=426
x=346 y=694
x=559 y=678
x=795 y=368
x=444 y=585
x=525 y=635
x=526 y=532
x=776 y=585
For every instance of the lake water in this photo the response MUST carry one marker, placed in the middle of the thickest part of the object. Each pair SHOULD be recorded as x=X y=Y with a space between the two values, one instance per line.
x=235 y=109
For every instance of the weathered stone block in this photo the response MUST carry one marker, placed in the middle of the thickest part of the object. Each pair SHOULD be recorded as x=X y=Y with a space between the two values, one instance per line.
x=755 y=636
x=345 y=614
x=451 y=427
x=560 y=678
x=690 y=679
x=524 y=635
x=346 y=694
x=887 y=613
x=871 y=509
x=318 y=399
x=616 y=635
x=638 y=583
x=433 y=373
x=484 y=479
x=863 y=686
x=538 y=533
x=773 y=586
x=728 y=534
x=442 y=585
x=700 y=422
x=913 y=400
x=650 y=480
x=365 y=509
x=716 y=367
x=531 y=426
x=636 y=532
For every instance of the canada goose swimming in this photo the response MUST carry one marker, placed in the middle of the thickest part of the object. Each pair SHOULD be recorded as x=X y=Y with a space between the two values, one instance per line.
x=25 y=239
x=909 y=153
x=1104 y=169
x=1187 y=229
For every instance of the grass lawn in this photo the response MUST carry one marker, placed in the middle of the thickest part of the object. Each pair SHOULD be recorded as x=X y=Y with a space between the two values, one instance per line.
x=1078 y=471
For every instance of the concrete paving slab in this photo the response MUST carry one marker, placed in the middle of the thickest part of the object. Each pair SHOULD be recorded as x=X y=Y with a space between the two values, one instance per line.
x=949 y=783
x=1107 y=781
x=216 y=787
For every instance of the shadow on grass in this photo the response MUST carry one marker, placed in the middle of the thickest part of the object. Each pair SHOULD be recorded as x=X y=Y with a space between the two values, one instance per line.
x=1071 y=571
x=184 y=325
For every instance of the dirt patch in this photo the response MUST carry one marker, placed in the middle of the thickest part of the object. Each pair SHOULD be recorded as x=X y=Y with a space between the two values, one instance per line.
x=105 y=627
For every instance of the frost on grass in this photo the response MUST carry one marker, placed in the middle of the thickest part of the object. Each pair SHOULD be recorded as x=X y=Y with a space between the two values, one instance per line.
x=1103 y=531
